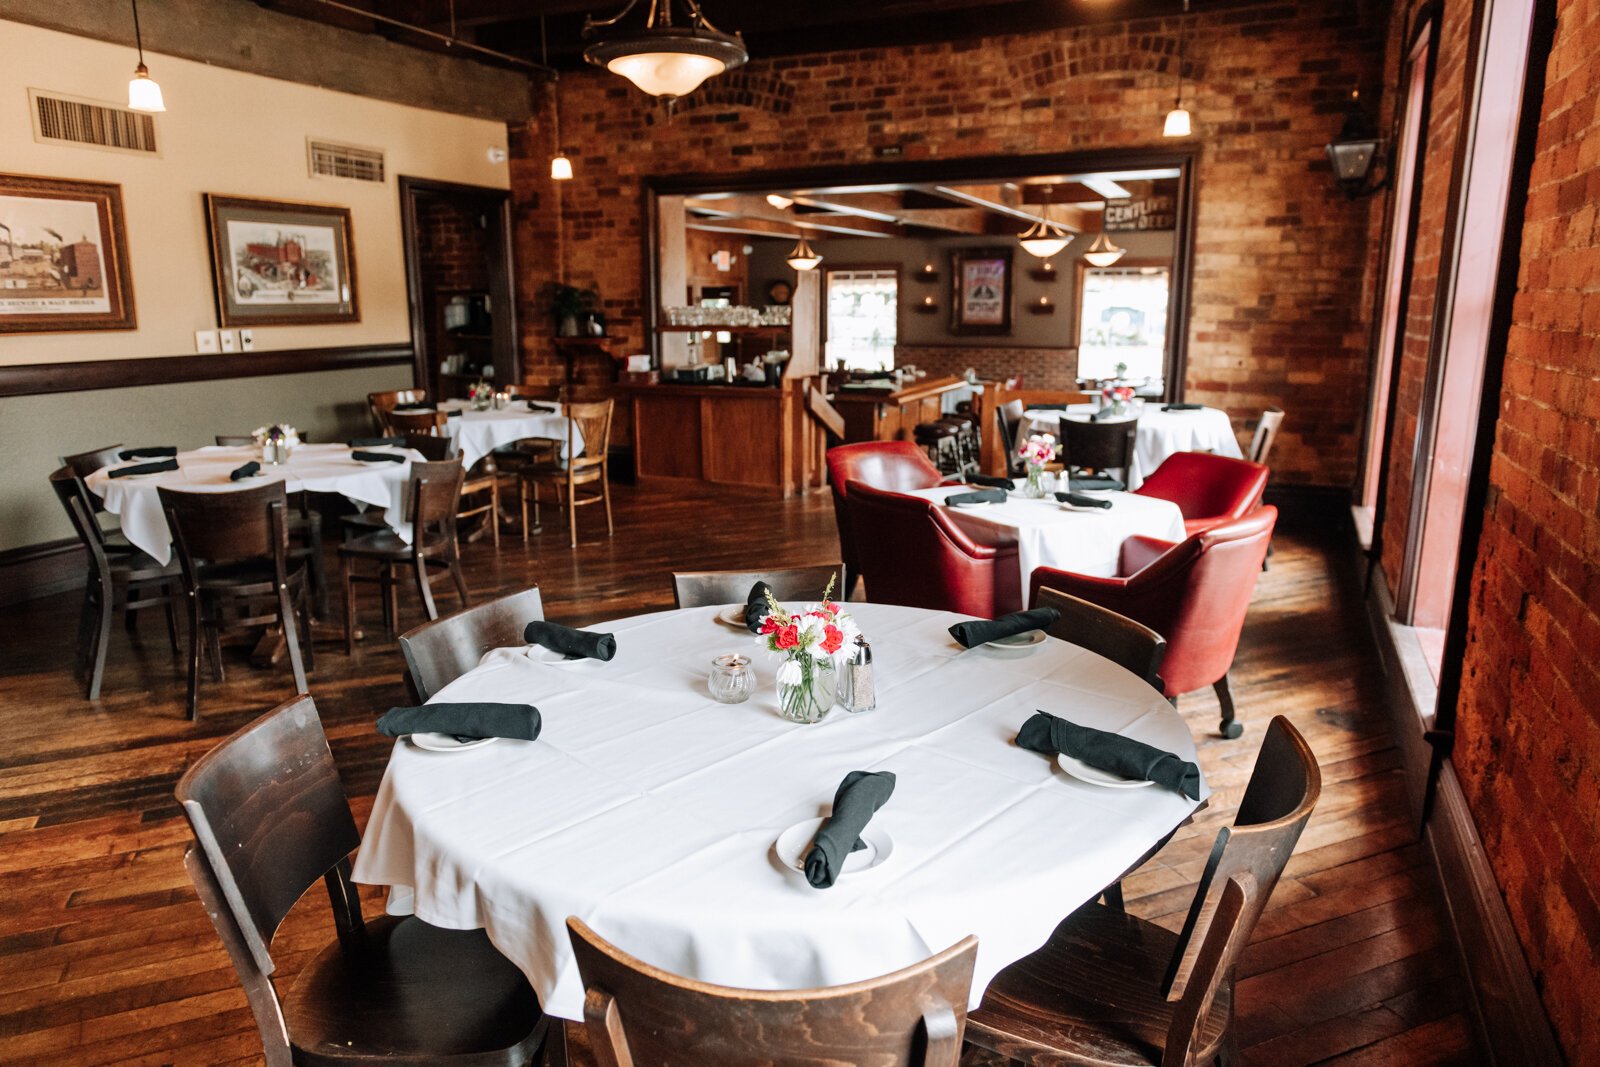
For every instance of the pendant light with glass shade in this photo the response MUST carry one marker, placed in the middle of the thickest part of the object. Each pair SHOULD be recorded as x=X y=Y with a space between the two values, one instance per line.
x=560 y=165
x=804 y=257
x=1178 y=123
x=664 y=58
x=143 y=92
x=1045 y=237
x=1103 y=253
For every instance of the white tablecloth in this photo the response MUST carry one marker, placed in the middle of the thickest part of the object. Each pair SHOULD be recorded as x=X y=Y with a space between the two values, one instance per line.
x=649 y=811
x=312 y=468
x=477 y=433
x=1049 y=535
x=1160 y=433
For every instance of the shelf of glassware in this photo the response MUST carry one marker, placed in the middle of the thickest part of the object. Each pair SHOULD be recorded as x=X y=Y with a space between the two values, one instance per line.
x=769 y=331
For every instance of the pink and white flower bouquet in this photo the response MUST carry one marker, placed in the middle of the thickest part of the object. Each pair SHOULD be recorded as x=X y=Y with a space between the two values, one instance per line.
x=1035 y=452
x=812 y=642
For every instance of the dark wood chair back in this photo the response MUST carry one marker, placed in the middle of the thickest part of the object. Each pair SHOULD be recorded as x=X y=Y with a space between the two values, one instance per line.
x=380 y=404
x=80 y=512
x=407 y=423
x=439 y=652
x=592 y=420
x=1266 y=433
x=1009 y=416
x=231 y=527
x=84 y=464
x=1098 y=445
x=1250 y=854
x=434 y=448
x=1126 y=643
x=270 y=818
x=694 y=589
x=640 y=1016
x=433 y=498
x=235 y=440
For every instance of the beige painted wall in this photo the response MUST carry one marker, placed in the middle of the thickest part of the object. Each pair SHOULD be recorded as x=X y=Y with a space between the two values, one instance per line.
x=235 y=133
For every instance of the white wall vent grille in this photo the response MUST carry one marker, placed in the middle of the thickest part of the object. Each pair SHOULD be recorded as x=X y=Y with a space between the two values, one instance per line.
x=64 y=120
x=330 y=159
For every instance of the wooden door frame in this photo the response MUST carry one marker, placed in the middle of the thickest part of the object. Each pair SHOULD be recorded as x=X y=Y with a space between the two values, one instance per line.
x=496 y=205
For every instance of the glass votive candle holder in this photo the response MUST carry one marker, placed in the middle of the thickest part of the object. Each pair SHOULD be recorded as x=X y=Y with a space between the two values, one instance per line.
x=732 y=679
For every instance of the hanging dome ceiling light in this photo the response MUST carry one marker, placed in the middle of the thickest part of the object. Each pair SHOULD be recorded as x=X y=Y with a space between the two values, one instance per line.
x=1103 y=253
x=143 y=92
x=1178 y=123
x=662 y=58
x=804 y=257
x=1045 y=237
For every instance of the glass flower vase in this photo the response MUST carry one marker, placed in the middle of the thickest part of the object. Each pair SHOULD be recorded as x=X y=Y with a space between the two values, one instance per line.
x=807 y=688
x=1034 y=490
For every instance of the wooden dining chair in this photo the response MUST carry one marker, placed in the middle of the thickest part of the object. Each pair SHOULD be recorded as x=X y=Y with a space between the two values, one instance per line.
x=233 y=551
x=439 y=652
x=270 y=818
x=1266 y=433
x=1009 y=417
x=83 y=464
x=695 y=589
x=131 y=581
x=480 y=491
x=1129 y=644
x=432 y=498
x=1098 y=446
x=382 y=403
x=404 y=423
x=1109 y=988
x=637 y=1015
x=589 y=423
x=531 y=449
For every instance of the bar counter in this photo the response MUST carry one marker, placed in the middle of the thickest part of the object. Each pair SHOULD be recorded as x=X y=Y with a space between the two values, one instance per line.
x=890 y=414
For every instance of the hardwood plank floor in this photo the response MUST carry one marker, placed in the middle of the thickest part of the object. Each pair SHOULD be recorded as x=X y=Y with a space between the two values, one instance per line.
x=107 y=957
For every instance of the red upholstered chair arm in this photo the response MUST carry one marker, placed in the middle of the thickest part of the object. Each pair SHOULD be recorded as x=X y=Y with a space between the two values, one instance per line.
x=964 y=543
x=1106 y=592
x=1138 y=552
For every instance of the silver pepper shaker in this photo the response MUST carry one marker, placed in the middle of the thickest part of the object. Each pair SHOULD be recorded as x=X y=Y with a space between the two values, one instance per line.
x=863 y=692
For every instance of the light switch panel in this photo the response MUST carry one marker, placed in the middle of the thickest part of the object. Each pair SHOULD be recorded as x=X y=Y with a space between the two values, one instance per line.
x=247 y=340
x=230 y=340
x=205 y=340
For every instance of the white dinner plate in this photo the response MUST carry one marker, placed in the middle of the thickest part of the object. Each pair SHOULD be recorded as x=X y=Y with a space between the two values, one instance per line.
x=973 y=504
x=1027 y=639
x=1065 y=506
x=795 y=842
x=732 y=615
x=1095 y=776
x=448 y=743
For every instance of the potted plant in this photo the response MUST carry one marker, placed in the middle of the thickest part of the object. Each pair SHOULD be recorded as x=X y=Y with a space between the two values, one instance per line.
x=568 y=305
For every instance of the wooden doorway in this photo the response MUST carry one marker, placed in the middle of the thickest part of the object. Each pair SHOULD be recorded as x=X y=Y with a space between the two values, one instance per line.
x=458 y=283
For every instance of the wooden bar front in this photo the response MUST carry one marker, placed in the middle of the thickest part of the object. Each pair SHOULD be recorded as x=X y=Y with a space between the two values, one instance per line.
x=892 y=414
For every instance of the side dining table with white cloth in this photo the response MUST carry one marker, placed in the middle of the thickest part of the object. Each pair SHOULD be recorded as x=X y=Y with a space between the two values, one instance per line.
x=650 y=811
x=310 y=468
x=1047 y=534
x=1159 y=435
x=477 y=433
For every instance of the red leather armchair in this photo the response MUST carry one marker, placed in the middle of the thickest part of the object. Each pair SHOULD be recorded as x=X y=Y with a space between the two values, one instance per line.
x=1208 y=489
x=898 y=466
x=911 y=553
x=1195 y=594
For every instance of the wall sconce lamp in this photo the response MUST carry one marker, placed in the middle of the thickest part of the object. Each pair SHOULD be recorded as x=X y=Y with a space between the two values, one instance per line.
x=1356 y=152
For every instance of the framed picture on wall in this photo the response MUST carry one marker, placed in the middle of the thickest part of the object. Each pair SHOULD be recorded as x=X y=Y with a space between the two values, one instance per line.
x=981 y=301
x=63 y=256
x=276 y=263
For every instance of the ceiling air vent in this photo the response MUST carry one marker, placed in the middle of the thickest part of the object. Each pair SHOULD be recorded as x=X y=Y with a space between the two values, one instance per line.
x=64 y=120
x=330 y=159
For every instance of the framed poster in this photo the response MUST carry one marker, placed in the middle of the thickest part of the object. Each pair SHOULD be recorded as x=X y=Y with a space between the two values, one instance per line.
x=981 y=302
x=63 y=256
x=277 y=263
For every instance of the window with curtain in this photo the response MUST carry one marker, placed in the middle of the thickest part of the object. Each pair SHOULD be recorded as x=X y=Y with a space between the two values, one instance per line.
x=1122 y=318
x=863 y=316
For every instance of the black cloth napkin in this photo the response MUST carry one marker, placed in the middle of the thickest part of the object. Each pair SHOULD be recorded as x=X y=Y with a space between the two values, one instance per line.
x=570 y=642
x=453 y=413
x=981 y=496
x=1181 y=406
x=245 y=471
x=755 y=606
x=1110 y=752
x=1078 y=500
x=143 y=468
x=464 y=721
x=377 y=457
x=1077 y=484
x=859 y=797
x=534 y=405
x=375 y=442
x=990 y=480
x=149 y=452
x=978 y=631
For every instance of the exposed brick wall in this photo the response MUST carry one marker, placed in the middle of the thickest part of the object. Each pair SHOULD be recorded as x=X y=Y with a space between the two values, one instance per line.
x=1041 y=368
x=1444 y=128
x=1280 y=256
x=1528 y=738
x=452 y=251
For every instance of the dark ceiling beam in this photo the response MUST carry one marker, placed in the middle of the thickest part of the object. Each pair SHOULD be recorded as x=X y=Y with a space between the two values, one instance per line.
x=755 y=207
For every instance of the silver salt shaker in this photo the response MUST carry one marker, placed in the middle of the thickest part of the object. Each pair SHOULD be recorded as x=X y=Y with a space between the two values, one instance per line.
x=863 y=692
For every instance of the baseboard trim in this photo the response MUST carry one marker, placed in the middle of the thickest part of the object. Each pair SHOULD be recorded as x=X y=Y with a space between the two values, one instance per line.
x=41 y=570
x=1510 y=1019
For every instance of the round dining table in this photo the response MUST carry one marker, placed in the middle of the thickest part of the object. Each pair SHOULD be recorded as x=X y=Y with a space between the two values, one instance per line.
x=652 y=812
x=326 y=468
x=1160 y=433
x=477 y=433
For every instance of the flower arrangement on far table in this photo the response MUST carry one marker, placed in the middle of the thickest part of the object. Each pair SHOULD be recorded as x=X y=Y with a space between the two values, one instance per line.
x=1035 y=452
x=276 y=442
x=1117 y=398
x=481 y=394
x=813 y=642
